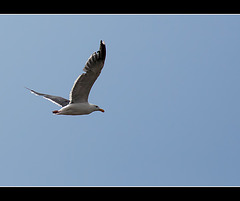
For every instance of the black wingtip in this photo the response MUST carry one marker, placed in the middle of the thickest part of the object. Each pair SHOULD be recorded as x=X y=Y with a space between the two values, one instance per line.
x=28 y=89
x=102 y=50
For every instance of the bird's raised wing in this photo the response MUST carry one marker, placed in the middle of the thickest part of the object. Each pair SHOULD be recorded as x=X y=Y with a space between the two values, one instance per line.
x=84 y=82
x=55 y=99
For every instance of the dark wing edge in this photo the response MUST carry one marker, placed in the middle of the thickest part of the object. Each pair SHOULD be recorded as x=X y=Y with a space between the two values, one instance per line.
x=55 y=99
x=85 y=81
x=95 y=57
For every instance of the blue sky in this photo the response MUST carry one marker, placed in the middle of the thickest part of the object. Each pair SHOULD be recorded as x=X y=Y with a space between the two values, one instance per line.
x=170 y=90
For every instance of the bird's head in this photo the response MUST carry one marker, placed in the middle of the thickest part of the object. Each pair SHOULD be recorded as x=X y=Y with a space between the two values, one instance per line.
x=97 y=108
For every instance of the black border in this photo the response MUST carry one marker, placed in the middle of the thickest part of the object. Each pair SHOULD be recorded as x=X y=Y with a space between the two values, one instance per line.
x=120 y=193
x=121 y=7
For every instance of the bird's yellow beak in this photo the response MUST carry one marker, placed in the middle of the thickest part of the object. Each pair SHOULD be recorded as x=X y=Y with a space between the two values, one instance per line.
x=102 y=110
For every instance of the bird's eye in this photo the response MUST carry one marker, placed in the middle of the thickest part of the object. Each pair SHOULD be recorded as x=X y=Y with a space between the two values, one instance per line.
x=96 y=106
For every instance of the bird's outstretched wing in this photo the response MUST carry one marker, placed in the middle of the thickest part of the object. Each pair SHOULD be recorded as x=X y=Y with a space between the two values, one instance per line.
x=85 y=81
x=55 y=99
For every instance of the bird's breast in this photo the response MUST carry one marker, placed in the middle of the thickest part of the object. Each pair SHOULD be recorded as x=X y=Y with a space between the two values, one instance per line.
x=76 y=109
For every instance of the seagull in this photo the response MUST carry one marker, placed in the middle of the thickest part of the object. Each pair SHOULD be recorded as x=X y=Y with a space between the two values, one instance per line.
x=78 y=97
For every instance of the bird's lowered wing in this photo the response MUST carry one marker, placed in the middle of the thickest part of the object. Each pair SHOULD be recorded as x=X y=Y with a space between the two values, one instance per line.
x=55 y=99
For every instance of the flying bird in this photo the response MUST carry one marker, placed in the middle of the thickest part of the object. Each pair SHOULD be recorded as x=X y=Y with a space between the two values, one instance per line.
x=78 y=98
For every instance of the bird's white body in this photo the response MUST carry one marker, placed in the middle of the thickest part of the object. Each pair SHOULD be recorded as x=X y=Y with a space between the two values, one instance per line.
x=76 y=109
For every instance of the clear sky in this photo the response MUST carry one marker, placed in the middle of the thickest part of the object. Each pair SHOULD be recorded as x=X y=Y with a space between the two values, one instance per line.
x=170 y=90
